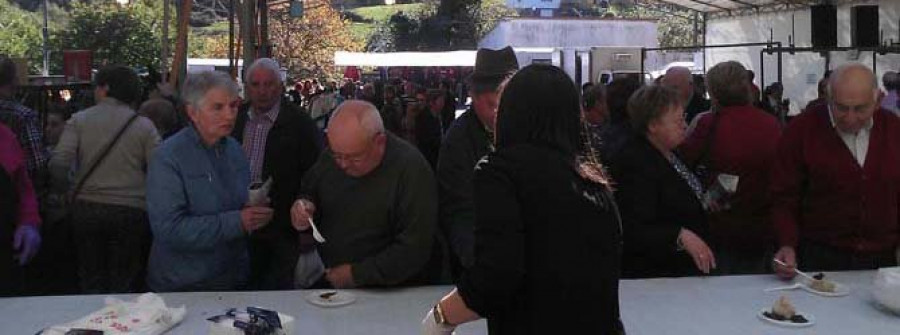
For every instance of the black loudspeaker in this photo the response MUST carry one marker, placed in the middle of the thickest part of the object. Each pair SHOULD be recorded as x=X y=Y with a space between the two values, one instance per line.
x=864 y=26
x=824 y=26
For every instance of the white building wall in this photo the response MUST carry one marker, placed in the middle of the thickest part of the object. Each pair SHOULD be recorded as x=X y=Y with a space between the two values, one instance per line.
x=801 y=71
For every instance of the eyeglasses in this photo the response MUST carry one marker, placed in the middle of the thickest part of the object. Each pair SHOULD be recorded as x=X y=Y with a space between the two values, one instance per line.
x=354 y=158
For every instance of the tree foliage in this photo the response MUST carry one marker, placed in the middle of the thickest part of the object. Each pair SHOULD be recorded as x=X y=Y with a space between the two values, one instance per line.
x=128 y=35
x=20 y=34
x=439 y=26
x=306 y=46
x=673 y=26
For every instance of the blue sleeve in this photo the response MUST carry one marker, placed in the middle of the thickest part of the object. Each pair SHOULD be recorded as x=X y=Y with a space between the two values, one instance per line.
x=171 y=220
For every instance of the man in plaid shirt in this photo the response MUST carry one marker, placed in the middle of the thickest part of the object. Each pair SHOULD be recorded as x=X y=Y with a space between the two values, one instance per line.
x=23 y=121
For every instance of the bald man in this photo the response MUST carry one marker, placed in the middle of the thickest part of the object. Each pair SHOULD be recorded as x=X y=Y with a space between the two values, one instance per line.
x=836 y=181
x=373 y=198
x=681 y=80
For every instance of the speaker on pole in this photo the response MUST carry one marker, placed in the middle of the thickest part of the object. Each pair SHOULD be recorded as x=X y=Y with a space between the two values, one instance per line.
x=864 y=26
x=824 y=26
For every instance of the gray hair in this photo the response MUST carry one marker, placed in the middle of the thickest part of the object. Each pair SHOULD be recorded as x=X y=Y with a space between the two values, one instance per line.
x=366 y=115
x=650 y=103
x=265 y=64
x=198 y=84
x=729 y=84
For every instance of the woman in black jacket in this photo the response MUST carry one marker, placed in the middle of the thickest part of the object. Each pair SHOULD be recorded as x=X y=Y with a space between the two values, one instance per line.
x=547 y=233
x=663 y=214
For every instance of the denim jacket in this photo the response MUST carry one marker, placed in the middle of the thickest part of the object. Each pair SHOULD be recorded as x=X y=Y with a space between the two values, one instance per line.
x=194 y=196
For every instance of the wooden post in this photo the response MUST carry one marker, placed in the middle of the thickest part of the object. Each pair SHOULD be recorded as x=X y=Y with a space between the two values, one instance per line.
x=179 y=63
x=248 y=32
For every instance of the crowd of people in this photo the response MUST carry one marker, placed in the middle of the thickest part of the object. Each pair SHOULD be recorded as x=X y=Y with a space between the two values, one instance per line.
x=538 y=184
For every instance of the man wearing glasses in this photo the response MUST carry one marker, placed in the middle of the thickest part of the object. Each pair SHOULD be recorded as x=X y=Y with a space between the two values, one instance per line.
x=373 y=198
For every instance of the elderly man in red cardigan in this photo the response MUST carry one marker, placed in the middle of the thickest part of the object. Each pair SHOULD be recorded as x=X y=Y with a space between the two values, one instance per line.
x=836 y=181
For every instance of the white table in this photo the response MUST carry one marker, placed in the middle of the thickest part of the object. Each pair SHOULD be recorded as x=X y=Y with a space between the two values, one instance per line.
x=729 y=305
x=694 y=306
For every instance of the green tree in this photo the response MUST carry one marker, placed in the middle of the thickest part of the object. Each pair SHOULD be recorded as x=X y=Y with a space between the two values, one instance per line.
x=20 y=34
x=673 y=26
x=431 y=29
x=127 y=35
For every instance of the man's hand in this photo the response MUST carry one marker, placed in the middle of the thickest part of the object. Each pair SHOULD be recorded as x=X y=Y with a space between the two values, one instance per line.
x=699 y=251
x=301 y=212
x=27 y=241
x=787 y=256
x=254 y=218
x=341 y=276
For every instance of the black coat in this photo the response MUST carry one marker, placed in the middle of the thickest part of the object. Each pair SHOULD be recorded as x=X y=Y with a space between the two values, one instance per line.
x=464 y=145
x=656 y=203
x=547 y=247
x=292 y=147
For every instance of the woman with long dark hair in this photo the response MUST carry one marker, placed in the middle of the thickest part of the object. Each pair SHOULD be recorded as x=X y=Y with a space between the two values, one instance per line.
x=547 y=232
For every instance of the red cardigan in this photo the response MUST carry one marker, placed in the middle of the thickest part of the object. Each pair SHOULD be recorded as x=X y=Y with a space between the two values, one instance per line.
x=744 y=145
x=821 y=194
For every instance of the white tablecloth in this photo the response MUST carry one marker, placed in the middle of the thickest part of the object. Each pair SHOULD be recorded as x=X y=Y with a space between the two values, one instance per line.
x=691 y=306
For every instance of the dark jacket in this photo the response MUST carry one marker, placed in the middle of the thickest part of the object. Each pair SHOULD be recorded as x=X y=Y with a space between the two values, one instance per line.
x=428 y=136
x=547 y=250
x=656 y=203
x=465 y=144
x=292 y=147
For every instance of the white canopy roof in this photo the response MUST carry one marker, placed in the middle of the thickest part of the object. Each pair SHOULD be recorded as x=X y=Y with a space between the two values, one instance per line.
x=448 y=58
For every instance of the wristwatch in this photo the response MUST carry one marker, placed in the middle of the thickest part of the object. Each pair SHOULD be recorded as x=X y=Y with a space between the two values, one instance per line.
x=439 y=315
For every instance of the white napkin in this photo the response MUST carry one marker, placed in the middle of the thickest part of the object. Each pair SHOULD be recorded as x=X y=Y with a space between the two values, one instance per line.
x=146 y=315
x=259 y=196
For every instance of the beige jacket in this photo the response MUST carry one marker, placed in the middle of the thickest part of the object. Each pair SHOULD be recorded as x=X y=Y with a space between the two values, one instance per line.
x=120 y=177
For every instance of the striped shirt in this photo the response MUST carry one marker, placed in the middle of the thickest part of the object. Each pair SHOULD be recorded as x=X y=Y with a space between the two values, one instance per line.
x=255 y=133
x=25 y=123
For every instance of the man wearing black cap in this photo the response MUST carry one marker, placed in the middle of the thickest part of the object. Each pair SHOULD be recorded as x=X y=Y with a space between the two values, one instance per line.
x=467 y=141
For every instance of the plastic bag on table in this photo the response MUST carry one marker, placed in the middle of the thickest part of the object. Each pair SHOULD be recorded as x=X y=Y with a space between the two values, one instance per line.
x=146 y=315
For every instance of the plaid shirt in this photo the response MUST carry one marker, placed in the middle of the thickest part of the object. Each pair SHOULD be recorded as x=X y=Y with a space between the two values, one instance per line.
x=25 y=124
x=255 y=133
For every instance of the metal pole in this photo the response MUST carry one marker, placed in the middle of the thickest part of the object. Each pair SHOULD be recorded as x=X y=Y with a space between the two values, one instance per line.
x=762 y=69
x=164 y=55
x=46 y=31
x=779 y=65
x=643 y=57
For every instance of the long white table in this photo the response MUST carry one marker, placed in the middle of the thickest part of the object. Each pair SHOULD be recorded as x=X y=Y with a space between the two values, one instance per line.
x=715 y=305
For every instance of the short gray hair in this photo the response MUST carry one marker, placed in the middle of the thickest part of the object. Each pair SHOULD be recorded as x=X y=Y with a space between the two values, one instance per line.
x=368 y=117
x=839 y=73
x=729 y=84
x=650 y=103
x=196 y=86
x=265 y=64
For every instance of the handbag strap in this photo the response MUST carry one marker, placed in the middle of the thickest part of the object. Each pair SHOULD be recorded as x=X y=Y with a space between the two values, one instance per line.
x=100 y=156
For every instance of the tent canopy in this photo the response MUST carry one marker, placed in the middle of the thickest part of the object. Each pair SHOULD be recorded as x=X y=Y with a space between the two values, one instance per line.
x=449 y=58
x=708 y=6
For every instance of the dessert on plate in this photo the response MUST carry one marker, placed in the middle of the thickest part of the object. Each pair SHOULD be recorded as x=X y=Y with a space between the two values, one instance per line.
x=784 y=311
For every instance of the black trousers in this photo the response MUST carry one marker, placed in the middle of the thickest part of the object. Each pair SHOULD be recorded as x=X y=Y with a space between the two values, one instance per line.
x=113 y=244
x=272 y=262
x=812 y=256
